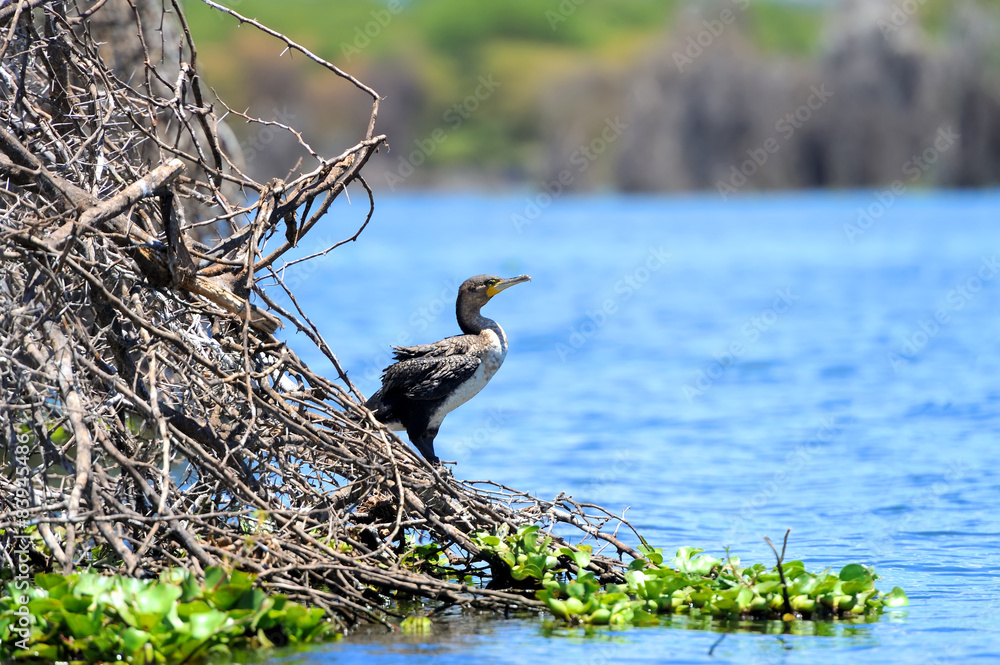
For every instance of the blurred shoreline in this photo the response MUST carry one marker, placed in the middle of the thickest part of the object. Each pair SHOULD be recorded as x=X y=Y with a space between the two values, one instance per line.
x=727 y=96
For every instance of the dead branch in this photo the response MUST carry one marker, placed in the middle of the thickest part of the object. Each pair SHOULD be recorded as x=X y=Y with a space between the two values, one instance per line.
x=151 y=418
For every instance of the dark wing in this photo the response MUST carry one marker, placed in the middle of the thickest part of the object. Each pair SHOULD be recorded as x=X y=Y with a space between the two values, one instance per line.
x=458 y=345
x=428 y=378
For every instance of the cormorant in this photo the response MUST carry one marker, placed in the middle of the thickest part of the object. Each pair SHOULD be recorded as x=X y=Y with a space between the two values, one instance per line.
x=429 y=381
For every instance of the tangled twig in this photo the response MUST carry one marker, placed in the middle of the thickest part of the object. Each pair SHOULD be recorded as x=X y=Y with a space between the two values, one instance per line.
x=151 y=417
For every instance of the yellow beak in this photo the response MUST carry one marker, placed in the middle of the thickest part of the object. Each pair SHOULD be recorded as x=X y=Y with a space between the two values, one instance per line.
x=506 y=284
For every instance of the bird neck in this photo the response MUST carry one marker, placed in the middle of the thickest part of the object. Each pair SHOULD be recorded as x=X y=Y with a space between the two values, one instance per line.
x=471 y=321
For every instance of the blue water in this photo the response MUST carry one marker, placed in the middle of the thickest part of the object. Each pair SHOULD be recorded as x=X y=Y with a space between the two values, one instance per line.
x=723 y=371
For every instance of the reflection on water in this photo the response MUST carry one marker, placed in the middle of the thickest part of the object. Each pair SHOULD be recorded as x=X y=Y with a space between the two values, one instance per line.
x=853 y=628
x=769 y=373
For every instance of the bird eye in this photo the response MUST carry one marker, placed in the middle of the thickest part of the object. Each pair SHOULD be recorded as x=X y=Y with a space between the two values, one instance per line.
x=492 y=282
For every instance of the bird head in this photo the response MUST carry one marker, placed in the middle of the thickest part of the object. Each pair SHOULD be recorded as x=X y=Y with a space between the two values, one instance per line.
x=481 y=288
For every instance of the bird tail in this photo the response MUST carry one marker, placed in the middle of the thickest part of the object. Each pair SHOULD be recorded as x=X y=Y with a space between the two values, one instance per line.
x=376 y=405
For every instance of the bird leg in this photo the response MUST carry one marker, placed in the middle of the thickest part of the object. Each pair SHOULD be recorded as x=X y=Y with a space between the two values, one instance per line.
x=424 y=442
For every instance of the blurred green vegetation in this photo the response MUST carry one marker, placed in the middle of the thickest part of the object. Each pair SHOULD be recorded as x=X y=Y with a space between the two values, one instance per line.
x=443 y=47
x=445 y=27
x=936 y=15
x=786 y=29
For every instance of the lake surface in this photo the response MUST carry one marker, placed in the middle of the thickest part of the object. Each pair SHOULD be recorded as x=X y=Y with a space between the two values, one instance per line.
x=723 y=371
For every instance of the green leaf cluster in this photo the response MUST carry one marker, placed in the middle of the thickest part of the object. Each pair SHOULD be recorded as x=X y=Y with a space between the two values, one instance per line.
x=96 y=618
x=426 y=558
x=695 y=584
x=527 y=552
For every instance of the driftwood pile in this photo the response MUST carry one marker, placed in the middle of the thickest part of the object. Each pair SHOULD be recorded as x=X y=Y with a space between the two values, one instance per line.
x=150 y=416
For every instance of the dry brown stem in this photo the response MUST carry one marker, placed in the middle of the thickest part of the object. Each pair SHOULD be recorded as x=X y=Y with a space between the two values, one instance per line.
x=149 y=416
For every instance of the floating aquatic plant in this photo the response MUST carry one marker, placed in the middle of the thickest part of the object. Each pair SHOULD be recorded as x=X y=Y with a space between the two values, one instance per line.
x=173 y=619
x=695 y=583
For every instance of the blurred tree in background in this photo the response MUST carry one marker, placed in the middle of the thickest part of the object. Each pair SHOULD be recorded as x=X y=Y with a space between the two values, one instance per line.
x=638 y=95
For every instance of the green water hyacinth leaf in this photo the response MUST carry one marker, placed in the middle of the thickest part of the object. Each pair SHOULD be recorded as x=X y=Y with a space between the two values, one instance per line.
x=697 y=583
x=134 y=639
x=803 y=584
x=251 y=600
x=896 y=598
x=215 y=576
x=793 y=569
x=81 y=625
x=98 y=618
x=643 y=618
x=558 y=608
x=744 y=599
x=855 y=571
x=581 y=559
x=709 y=586
x=600 y=617
x=77 y=603
x=116 y=599
x=238 y=578
x=157 y=600
x=92 y=584
x=764 y=588
x=803 y=603
x=528 y=530
x=227 y=595
x=416 y=625
x=205 y=624
x=637 y=564
x=311 y=618
x=857 y=586
x=60 y=436
x=691 y=560
x=130 y=586
x=43 y=651
x=187 y=610
x=534 y=566
x=42 y=606
x=653 y=555
x=574 y=605
x=49 y=581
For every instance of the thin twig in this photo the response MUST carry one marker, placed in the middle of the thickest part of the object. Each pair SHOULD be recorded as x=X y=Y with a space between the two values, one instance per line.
x=781 y=571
